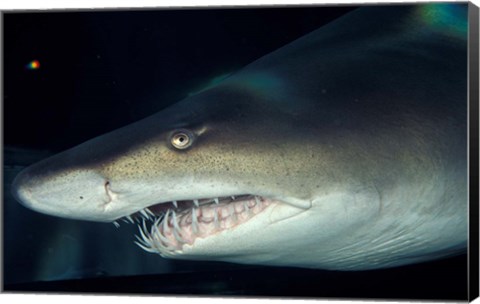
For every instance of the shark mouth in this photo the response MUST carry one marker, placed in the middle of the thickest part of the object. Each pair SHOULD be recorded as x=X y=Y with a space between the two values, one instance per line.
x=174 y=224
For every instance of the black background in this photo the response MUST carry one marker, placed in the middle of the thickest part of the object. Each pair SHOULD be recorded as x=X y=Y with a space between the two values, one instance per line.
x=103 y=70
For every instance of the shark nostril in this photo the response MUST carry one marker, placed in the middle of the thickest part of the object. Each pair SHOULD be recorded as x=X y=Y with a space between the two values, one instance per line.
x=108 y=191
x=111 y=195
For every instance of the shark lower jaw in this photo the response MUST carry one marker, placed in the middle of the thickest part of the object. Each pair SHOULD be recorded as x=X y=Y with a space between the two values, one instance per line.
x=166 y=227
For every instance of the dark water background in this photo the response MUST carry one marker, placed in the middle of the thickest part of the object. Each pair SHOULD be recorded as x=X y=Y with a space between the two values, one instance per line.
x=105 y=69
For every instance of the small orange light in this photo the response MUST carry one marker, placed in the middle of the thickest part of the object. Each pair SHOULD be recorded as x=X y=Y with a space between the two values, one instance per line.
x=33 y=65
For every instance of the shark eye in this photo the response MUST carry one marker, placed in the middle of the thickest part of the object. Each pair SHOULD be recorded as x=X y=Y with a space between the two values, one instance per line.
x=182 y=139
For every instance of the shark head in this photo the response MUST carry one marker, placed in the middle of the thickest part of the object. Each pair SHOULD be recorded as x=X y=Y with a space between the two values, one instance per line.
x=204 y=180
x=303 y=158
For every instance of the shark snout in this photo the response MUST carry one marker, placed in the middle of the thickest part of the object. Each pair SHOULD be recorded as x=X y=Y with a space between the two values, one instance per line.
x=77 y=193
x=21 y=188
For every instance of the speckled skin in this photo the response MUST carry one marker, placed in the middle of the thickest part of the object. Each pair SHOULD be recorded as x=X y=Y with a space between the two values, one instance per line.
x=360 y=125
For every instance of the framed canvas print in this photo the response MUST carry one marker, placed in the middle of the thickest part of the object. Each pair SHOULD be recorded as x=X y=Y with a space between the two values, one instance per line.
x=306 y=151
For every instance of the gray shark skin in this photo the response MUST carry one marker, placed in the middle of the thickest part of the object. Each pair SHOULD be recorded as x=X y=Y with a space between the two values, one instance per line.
x=345 y=149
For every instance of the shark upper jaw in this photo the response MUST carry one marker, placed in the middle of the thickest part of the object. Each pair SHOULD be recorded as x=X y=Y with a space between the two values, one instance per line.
x=178 y=225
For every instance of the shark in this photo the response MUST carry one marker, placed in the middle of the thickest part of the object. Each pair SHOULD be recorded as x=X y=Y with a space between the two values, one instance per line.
x=345 y=149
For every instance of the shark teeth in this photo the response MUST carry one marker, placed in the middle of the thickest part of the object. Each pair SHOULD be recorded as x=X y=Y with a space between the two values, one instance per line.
x=165 y=222
x=147 y=214
x=194 y=221
x=144 y=213
x=215 y=218
x=173 y=228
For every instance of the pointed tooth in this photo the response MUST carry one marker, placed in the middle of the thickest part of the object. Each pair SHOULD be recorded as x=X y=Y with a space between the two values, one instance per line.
x=143 y=233
x=176 y=229
x=194 y=221
x=142 y=241
x=215 y=218
x=151 y=232
x=175 y=204
x=233 y=214
x=125 y=220
x=195 y=202
x=152 y=250
x=175 y=223
x=130 y=219
x=158 y=220
x=245 y=206
x=149 y=212
x=144 y=226
x=257 y=201
x=146 y=234
x=216 y=200
x=233 y=197
x=155 y=225
x=160 y=235
x=145 y=214
x=116 y=224
x=178 y=237
x=165 y=222
x=166 y=242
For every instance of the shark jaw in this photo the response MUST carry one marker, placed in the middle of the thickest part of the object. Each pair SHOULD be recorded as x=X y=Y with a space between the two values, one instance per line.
x=169 y=228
